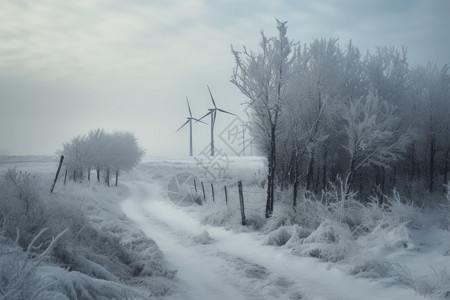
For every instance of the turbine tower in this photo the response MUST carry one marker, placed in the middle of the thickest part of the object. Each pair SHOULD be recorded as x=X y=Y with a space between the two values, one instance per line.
x=189 y=120
x=212 y=112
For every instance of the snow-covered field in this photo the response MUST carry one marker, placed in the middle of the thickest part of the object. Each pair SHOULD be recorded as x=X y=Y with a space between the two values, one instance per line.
x=406 y=257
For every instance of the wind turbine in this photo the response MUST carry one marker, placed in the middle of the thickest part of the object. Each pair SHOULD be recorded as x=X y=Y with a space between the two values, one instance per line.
x=212 y=112
x=189 y=120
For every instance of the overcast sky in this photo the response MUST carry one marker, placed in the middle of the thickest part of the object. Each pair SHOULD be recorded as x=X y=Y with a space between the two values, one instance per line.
x=67 y=67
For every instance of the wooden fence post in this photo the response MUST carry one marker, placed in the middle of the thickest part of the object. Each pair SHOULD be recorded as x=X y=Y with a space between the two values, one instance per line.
x=226 y=195
x=57 y=173
x=107 y=177
x=212 y=190
x=241 y=202
x=203 y=189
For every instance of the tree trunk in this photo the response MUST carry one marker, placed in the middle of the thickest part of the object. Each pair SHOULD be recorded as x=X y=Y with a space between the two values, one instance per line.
x=295 y=192
x=394 y=177
x=413 y=161
x=295 y=183
x=107 y=177
x=351 y=172
x=431 y=166
x=98 y=174
x=324 y=170
x=89 y=174
x=310 y=173
x=383 y=179
x=117 y=176
x=317 y=181
x=271 y=173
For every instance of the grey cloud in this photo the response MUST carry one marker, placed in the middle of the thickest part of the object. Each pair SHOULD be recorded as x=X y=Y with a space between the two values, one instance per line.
x=128 y=65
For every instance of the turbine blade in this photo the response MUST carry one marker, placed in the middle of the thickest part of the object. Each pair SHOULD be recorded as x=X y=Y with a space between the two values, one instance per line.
x=190 y=113
x=183 y=125
x=197 y=120
x=224 y=111
x=215 y=112
x=212 y=98
x=203 y=116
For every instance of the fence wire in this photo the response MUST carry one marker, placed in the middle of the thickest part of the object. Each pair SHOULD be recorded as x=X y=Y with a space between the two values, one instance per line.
x=254 y=198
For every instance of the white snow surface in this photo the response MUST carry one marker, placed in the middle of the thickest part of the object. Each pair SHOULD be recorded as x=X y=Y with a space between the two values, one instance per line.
x=215 y=263
x=220 y=263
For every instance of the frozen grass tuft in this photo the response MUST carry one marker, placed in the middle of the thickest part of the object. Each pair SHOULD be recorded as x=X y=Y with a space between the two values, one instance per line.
x=101 y=248
x=331 y=241
x=19 y=276
x=222 y=216
x=288 y=236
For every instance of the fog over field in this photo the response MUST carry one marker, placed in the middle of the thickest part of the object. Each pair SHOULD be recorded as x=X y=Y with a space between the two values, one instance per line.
x=66 y=68
x=224 y=150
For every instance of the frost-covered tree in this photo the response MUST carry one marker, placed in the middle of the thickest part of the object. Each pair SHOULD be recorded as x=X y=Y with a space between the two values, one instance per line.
x=106 y=152
x=125 y=152
x=76 y=157
x=387 y=74
x=371 y=134
x=318 y=83
x=320 y=112
x=262 y=77
x=96 y=146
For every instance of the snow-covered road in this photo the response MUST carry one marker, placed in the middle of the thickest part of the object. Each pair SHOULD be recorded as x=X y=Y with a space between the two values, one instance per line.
x=214 y=263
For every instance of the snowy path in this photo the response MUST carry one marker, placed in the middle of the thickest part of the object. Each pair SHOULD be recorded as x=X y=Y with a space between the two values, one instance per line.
x=236 y=265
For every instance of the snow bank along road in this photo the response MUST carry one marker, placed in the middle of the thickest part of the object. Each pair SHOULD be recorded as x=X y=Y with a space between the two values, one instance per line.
x=214 y=263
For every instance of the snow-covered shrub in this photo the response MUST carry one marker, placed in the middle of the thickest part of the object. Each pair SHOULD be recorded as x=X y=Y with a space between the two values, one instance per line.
x=20 y=206
x=202 y=238
x=19 y=276
x=287 y=235
x=372 y=214
x=437 y=285
x=442 y=282
x=75 y=285
x=387 y=235
x=331 y=241
x=255 y=221
x=108 y=248
x=342 y=203
x=222 y=216
x=76 y=261
x=284 y=215
x=404 y=211
x=279 y=237
x=310 y=212
x=95 y=245
x=372 y=267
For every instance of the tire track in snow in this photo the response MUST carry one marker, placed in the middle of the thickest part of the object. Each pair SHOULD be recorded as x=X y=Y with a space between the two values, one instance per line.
x=237 y=265
x=198 y=276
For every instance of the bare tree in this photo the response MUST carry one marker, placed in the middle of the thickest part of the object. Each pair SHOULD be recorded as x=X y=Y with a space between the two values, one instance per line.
x=262 y=78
